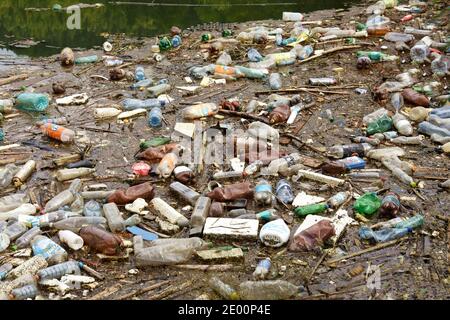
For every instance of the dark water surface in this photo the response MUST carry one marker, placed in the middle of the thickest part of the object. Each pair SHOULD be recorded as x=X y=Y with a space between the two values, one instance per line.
x=19 y=20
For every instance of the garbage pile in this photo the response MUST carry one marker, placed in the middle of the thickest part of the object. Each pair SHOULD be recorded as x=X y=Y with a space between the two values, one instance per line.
x=284 y=204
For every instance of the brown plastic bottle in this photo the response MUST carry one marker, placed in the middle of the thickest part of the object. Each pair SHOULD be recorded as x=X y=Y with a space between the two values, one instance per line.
x=121 y=197
x=378 y=31
x=390 y=205
x=280 y=114
x=312 y=237
x=100 y=240
x=232 y=192
x=334 y=168
x=184 y=174
x=217 y=209
x=415 y=98
x=156 y=154
x=265 y=156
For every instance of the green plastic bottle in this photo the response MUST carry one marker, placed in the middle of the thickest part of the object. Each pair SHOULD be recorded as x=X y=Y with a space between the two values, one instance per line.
x=206 y=37
x=412 y=223
x=32 y=102
x=360 y=26
x=2 y=135
x=311 y=209
x=154 y=142
x=380 y=125
x=87 y=59
x=367 y=204
x=227 y=33
x=376 y=56
x=165 y=44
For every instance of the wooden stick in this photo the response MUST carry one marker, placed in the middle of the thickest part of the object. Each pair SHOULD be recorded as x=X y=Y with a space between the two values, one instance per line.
x=243 y=115
x=328 y=52
x=13 y=78
x=301 y=89
x=143 y=290
x=206 y=267
x=355 y=254
x=170 y=290
x=93 y=272
x=106 y=293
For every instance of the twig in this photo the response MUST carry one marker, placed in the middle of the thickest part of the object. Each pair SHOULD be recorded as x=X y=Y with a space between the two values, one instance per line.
x=301 y=89
x=171 y=290
x=206 y=267
x=13 y=78
x=328 y=52
x=143 y=290
x=243 y=115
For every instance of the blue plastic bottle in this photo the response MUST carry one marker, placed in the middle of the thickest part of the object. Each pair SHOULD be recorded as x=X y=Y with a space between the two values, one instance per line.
x=132 y=104
x=155 y=117
x=443 y=112
x=429 y=128
x=140 y=74
x=284 y=191
x=176 y=41
x=383 y=235
x=142 y=84
x=254 y=56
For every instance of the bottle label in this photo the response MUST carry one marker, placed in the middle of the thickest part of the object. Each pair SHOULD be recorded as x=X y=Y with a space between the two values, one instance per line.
x=353 y=163
x=263 y=188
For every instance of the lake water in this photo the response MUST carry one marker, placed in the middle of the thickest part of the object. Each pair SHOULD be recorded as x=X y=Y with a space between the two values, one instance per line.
x=20 y=20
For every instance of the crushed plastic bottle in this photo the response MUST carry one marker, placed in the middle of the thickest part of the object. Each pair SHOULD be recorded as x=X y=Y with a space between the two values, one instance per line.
x=367 y=204
x=284 y=192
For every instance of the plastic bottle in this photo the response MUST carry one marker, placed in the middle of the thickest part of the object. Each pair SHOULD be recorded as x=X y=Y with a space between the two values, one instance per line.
x=397 y=101
x=267 y=290
x=443 y=112
x=26 y=238
x=168 y=212
x=155 y=117
x=47 y=248
x=303 y=52
x=367 y=204
x=76 y=223
x=223 y=289
x=87 y=59
x=418 y=114
x=59 y=270
x=4 y=242
x=200 y=110
x=140 y=73
x=14 y=230
x=284 y=192
x=263 y=192
x=376 y=56
x=417 y=140
x=398 y=37
x=74 y=241
x=112 y=62
x=26 y=208
x=115 y=221
x=168 y=164
x=157 y=90
x=352 y=163
x=262 y=131
x=69 y=174
x=338 y=199
x=262 y=269
x=176 y=41
x=383 y=235
x=283 y=164
x=429 y=129
x=390 y=205
x=274 y=233
x=200 y=212
x=440 y=122
x=440 y=66
x=311 y=209
x=4 y=269
x=411 y=223
x=254 y=56
x=382 y=124
x=377 y=20
x=31 y=102
x=57 y=132
x=92 y=209
x=184 y=192
x=148 y=104
x=377 y=114
x=166 y=251
x=25 y=292
x=253 y=167
x=402 y=124
x=419 y=53
x=275 y=81
x=224 y=59
x=100 y=240
x=6 y=175
x=415 y=98
x=6 y=105
x=344 y=151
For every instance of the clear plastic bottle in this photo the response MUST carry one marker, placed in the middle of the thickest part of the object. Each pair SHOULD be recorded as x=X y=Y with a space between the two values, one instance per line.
x=157 y=90
x=263 y=192
x=148 y=104
x=254 y=56
x=223 y=289
x=383 y=235
x=25 y=292
x=59 y=270
x=200 y=110
x=416 y=140
x=31 y=102
x=377 y=20
x=429 y=129
x=263 y=131
x=398 y=37
x=4 y=269
x=397 y=101
x=155 y=117
x=440 y=66
x=303 y=52
x=51 y=251
x=338 y=199
x=168 y=212
x=412 y=223
x=253 y=167
x=166 y=251
x=440 y=122
x=403 y=176
x=6 y=175
x=262 y=269
x=140 y=73
x=184 y=192
x=69 y=174
x=224 y=59
x=275 y=81
x=200 y=212
x=92 y=209
x=344 y=151
x=443 y=112
x=14 y=230
x=76 y=223
x=4 y=242
x=57 y=132
x=283 y=164
x=267 y=290
x=112 y=214
x=284 y=192
x=25 y=240
x=419 y=53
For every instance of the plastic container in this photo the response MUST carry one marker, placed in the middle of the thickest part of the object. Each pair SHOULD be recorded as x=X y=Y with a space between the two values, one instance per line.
x=169 y=213
x=311 y=209
x=112 y=214
x=148 y=104
x=263 y=192
x=57 y=132
x=274 y=233
x=87 y=59
x=187 y=194
x=284 y=192
x=157 y=90
x=429 y=129
x=59 y=270
x=6 y=175
x=275 y=81
x=223 y=289
x=262 y=269
x=25 y=292
x=262 y=131
x=14 y=230
x=92 y=209
x=390 y=205
x=303 y=52
x=267 y=290
x=74 y=241
x=383 y=235
x=367 y=204
x=47 y=248
x=200 y=110
x=155 y=117
x=338 y=199
x=398 y=37
x=140 y=73
x=76 y=223
x=25 y=239
x=32 y=102
x=69 y=174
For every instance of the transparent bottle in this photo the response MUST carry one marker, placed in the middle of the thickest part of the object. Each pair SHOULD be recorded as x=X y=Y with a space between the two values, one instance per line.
x=168 y=212
x=344 y=151
x=429 y=129
x=200 y=212
x=14 y=230
x=157 y=90
x=200 y=110
x=263 y=192
x=440 y=122
x=155 y=117
x=140 y=73
x=76 y=223
x=262 y=269
x=223 y=289
x=267 y=290
x=4 y=269
x=92 y=209
x=383 y=235
x=59 y=270
x=25 y=240
x=284 y=192
x=419 y=53
x=26 y=292
x=6 y=175
x=148 y=104
x=275 y=81
x=282 y=165
x=402 y=124
x=51 y=251
x=65 y=197
x=338 y=199
x=115 y=221
x=252 y=168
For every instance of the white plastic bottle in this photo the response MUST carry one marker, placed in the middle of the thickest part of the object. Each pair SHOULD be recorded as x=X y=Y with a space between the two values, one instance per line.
x=172 y=215
x=74 y=241
x=402 y=124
